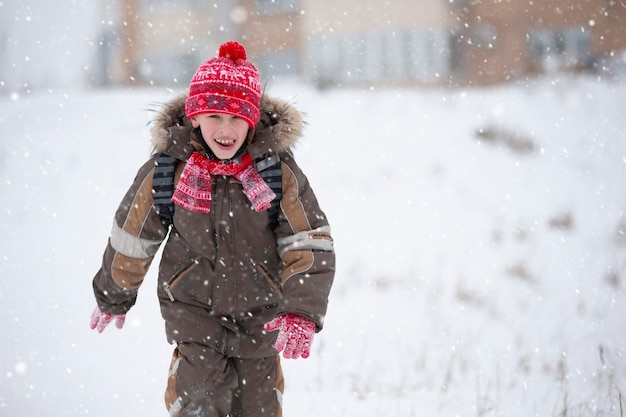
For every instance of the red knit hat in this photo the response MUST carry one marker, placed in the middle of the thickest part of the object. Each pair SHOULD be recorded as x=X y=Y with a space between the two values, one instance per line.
x=226 y=84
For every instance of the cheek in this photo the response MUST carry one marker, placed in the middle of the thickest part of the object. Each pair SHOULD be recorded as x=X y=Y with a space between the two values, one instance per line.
x=243 y=131
x=207 y=130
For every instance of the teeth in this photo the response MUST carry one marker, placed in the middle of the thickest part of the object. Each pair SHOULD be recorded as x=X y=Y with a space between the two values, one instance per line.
x=225 y=141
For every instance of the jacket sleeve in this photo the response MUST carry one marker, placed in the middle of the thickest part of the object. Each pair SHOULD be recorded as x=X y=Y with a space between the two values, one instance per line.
x=135 y=238
x=306 y=248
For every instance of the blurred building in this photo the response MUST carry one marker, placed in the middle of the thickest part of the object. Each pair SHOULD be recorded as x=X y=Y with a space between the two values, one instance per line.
x=505 y=39
x=356 y=42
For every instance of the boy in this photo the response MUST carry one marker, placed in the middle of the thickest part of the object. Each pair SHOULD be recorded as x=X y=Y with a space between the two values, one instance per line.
x=236 y=285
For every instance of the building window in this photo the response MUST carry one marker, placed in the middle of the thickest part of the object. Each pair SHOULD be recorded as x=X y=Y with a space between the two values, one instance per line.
x=169 y=69
x=430 y=54
x=325 y=60
x=167 y=6
x=558 y=49
x=279 y=64
x=277 y=6
x=381 y=57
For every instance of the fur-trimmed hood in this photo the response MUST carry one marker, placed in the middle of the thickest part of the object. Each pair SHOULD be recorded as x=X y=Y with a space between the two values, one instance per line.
x=282 y=119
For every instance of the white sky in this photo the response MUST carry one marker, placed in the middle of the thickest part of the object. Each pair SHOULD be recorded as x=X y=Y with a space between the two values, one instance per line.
x=48 y=44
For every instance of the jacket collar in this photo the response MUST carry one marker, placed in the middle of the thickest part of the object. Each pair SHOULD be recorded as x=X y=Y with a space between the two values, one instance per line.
x=171 y=131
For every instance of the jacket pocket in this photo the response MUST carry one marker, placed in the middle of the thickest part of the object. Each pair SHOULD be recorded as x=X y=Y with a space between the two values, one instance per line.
x=269 y=279
x=169 y=286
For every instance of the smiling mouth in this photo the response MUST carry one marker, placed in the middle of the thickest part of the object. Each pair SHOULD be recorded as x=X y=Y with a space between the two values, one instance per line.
x=225 y=141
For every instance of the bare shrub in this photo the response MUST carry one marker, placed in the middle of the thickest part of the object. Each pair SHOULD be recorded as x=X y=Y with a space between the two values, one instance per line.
x=511 y=139
x=562 y=221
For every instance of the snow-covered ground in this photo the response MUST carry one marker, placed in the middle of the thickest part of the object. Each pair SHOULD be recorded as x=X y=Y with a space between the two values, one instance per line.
x=480 y=237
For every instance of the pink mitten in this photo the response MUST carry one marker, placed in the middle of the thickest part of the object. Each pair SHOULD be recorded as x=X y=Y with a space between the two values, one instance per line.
x=295 y=335
x=100 y=320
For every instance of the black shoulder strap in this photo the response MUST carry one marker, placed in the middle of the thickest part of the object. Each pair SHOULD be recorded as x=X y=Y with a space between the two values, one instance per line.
x=163 y=187
x=270 y=170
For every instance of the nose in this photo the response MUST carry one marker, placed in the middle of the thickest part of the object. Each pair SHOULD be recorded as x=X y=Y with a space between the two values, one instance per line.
x=226 y=124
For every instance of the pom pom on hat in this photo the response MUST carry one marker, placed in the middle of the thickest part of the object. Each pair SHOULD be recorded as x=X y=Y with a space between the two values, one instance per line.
x=233 y=50
x=226 y=84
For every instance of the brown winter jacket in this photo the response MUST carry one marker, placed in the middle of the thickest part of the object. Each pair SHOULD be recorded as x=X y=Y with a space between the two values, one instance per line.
x=225 y=273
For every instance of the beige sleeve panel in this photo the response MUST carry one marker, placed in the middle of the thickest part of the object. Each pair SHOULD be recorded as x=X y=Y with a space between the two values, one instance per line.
x=133 y=254
x=298 y=203
x=129 y=273
x=291 y=204
x=140 y=207
x=296 y=261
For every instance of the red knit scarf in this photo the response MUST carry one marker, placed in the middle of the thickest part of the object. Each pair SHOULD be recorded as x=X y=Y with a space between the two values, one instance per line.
x=193 y=190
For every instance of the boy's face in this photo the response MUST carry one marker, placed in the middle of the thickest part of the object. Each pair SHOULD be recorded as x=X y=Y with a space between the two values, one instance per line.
x=223 y=133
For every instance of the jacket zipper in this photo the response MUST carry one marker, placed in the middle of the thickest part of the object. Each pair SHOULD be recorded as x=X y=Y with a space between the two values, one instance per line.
x=216 y=213
x=167 y=286
x=265 y=273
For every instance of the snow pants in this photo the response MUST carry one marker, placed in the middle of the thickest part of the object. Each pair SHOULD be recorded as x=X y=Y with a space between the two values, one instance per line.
x=203 y=382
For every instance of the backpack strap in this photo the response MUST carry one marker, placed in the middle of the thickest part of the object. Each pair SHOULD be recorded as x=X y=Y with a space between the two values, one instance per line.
x=163 y=187
x=269 y=169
